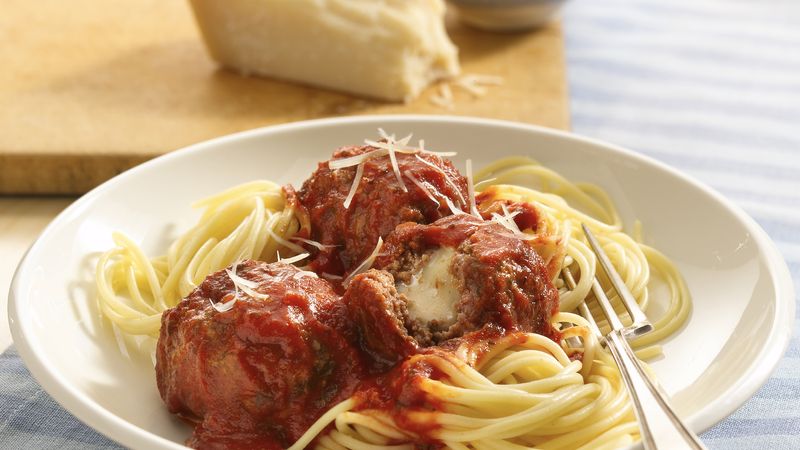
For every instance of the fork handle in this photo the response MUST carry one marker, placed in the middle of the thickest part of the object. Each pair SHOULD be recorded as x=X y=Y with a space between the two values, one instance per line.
x=660 y=426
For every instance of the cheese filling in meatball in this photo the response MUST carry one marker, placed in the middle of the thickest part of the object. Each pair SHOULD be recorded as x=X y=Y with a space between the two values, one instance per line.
x=433 y=293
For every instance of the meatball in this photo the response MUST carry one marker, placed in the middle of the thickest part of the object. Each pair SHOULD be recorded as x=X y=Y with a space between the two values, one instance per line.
x=262 y=372
x=382 y=318
x=439 y=281
x=379 y=204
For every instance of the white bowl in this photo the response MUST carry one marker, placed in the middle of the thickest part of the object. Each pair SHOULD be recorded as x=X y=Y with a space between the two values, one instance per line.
x=506 y=15
x=743 y=298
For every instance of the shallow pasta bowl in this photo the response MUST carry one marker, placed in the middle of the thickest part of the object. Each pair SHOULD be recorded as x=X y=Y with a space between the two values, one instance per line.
x=738 y=330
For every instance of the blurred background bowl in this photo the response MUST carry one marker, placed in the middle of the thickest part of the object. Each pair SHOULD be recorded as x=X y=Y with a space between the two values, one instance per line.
x=506 y=15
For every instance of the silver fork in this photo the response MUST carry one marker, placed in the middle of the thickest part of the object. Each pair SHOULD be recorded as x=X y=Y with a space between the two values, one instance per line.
x=660 y=426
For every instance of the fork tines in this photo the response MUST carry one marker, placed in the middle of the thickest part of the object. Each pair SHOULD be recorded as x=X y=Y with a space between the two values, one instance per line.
x=640 y=324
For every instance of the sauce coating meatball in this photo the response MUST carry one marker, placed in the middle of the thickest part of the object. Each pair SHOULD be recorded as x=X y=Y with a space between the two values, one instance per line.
x=443 y=280
x=379 y=204
x=259 y=374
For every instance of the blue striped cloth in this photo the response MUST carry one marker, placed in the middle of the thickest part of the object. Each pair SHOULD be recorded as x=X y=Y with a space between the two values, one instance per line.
x=711 y=87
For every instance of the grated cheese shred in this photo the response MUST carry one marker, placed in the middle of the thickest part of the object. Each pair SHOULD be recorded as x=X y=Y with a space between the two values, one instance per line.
x=351 y=161
x=304 y=273
x=440 y=154
x=399 y=147
x=509 y=218
x=403 y=143
x=226 y=306
x=239 y=284
x=396 y=168
x=453 y=208
x=476 y=84
x=482 y=80
x=366 y=264
x=354 y=187
x=315 y=244
x=443 y=97
x=294 y=258
x=391 y=147
x=473 y=206
x=507 y=221
x=384 y=135
x=421 y=185
x=447 y=178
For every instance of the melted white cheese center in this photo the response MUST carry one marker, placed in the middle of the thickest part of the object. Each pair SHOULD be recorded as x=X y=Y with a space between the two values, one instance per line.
x=432 y=293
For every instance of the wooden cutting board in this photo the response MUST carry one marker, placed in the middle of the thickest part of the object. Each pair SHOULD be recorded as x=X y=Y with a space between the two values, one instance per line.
x=90 y=88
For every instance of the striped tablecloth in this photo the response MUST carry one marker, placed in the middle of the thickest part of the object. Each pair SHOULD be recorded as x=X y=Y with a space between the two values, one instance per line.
x=711 y=87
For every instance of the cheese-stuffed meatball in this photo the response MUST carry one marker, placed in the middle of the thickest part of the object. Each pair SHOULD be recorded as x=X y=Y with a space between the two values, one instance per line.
x=439 y=281
x=349 y=225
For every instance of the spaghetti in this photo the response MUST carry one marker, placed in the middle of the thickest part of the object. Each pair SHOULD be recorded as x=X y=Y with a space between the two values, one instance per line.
x=566 y=205
x=525 y=392
x=249 y=221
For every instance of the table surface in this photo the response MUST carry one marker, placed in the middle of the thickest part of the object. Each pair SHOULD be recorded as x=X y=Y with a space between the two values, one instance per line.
x=712 y=88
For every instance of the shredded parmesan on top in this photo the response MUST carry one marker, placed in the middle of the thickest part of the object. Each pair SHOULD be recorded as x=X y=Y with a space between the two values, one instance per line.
x=366 y=264
x=404 y=142
x=354 y=186
x=294 y=258
x=473 y=206
x=396 y=168
x=391 y=147
x=440 y=154
x=421 y=185
x=226 y=306
x=453 y=208
x=304 y=273
x=507 y=221
x=315 y=244
x=399 y=147
x=239 y=284
x=384 y=135
x=351 y=161
x=447 y=178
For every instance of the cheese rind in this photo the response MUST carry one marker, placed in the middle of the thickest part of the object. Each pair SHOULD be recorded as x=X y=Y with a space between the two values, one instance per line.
x=386 y=49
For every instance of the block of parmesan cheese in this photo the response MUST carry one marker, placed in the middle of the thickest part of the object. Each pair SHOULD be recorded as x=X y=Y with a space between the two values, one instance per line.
x=385 y=49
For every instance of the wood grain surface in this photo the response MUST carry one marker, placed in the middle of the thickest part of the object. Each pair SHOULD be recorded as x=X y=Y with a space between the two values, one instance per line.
x=91 y=88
